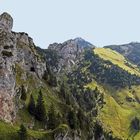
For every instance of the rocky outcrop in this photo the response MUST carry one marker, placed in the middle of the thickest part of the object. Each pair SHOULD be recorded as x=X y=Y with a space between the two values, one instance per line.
x=15 y=48
x=68 y=53
x=7 y=65
x=27 y=57
x=6 y=22
x=67 y=136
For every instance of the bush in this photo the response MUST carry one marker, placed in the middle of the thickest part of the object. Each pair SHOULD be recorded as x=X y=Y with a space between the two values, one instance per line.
x=135 y=124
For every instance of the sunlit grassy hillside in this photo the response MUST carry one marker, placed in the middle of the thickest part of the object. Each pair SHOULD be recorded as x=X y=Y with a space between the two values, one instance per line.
x=117 y=59
x=117 y=112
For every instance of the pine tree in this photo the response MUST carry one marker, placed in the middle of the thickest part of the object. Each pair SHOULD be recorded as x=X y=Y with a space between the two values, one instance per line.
x=80 y=117
x=72 y=119
x=96 y=92
x=64 y=94
x=135 y=123
x=68 y=99
x=40 y=112
x=52 y=120
x=98 y=131
x=45 y=76
x=52 y=80
x=63 y=91
x=50 y=77
x=58 y=119
x=22 y=132
x=31 y=106
x=23 y=93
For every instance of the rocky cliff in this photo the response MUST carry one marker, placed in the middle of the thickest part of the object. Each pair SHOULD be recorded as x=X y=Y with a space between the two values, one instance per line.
x=67 y=55
x=15 y=49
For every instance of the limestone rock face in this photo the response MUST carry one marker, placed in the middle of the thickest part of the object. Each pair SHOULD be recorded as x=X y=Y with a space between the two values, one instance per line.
x=27 y=56
x=15 y=48
x=6 y=21
x=7 y=74
x=69 y=53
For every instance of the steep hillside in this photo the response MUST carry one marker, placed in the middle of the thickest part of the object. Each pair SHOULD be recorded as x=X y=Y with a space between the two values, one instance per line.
x=117 y=59
x=118 y=99
x=131 y=51
x=121 y=105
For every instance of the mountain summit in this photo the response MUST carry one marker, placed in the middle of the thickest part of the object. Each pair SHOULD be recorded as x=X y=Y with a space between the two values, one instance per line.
x=70 y=52
x=83 y=43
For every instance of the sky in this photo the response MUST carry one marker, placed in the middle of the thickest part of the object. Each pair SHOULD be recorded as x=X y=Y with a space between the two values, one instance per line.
x=101 y=22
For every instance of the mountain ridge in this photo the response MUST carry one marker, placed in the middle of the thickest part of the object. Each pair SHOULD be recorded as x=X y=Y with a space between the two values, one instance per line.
x=130 y=51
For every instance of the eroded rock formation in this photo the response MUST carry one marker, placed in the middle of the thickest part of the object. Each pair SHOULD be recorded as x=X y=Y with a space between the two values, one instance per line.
x=15 y=49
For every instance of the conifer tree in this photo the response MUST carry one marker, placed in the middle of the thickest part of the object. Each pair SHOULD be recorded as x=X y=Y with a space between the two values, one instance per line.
x=52 y=80
x=72 y=119
x=46 y=75
x=22 y=132
x=40 y=112
x=50 y=77
x=135 y=123
x=98 y=131
x=52 y=120
x=62 y=91
x=31 y=106
x=59 y=119
x=23 y=93
x=80 y=117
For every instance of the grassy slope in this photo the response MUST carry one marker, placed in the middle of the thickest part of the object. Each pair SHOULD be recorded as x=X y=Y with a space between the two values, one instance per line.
x=117 y=112
x=117 y=59
x=10 y=132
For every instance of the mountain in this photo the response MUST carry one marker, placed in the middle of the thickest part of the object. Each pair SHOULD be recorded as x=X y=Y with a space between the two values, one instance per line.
x=82 y=43
x=72 y=90
x=131 y=51
x=68 y=53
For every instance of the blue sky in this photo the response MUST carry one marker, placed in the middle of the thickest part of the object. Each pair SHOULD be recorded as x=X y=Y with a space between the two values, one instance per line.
x=101 y=22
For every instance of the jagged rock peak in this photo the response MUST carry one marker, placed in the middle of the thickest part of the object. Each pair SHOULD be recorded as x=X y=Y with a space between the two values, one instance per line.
x=83 y=43
x=80 y=42
x=70 y=53
x=77 y=42
x=6 y=21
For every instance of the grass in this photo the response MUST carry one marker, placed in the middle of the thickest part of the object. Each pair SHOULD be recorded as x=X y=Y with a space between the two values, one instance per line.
x=117 y=113
x=7 y=131
x=10 y=132
x=93 y=85
x=115 y=118
x=50 y=96
x=117 y=59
